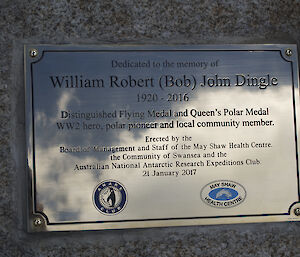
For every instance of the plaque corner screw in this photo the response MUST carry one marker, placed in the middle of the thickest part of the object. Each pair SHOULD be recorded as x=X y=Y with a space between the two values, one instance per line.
x=33 y=52
x=288 y=52
x=37 y=222
x=297 y=211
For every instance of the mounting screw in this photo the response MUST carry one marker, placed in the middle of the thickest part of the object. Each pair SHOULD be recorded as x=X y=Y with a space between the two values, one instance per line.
x=37 y=222
x=33 y=52
x=297 y=211
x=288 y=52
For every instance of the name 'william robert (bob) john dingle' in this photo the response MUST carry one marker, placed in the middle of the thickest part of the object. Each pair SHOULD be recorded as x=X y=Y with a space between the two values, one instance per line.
x=164 y=81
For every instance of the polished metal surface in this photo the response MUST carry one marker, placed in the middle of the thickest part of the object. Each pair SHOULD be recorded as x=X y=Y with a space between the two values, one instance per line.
x=288 y=52
x=297 y=211
x=151 y=136
x=33 y=53
x=38 y=222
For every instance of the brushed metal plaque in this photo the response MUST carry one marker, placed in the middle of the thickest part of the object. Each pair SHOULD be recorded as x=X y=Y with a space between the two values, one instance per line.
x=151 y=136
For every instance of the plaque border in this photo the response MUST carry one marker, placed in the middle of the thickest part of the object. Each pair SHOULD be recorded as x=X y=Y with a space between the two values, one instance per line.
x=199 y=48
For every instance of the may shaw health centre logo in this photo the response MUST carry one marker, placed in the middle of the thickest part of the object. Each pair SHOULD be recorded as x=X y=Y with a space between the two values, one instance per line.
x=110 y=197
x=223 y=194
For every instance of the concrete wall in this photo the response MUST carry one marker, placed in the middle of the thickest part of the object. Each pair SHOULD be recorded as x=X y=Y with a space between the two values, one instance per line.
x=84 y=21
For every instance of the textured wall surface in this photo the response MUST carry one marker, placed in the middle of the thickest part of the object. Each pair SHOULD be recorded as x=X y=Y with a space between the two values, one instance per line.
x=84 y=21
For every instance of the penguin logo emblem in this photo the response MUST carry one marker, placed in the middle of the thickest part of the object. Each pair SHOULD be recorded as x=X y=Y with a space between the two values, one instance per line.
x=110 y=197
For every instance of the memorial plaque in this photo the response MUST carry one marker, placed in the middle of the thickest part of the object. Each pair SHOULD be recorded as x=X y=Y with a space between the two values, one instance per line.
x=152 y=136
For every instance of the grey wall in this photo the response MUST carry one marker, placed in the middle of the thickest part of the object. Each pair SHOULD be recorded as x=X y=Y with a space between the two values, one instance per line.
x=141 y=21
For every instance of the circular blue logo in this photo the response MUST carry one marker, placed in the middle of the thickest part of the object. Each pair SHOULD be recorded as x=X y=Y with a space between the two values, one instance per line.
x=110 y=197
x=223 y=194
